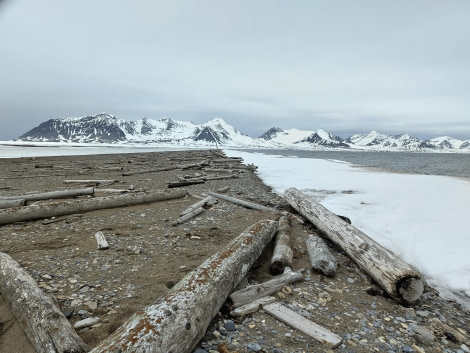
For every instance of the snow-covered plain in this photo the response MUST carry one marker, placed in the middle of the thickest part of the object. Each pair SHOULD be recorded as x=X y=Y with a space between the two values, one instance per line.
x=424 y=219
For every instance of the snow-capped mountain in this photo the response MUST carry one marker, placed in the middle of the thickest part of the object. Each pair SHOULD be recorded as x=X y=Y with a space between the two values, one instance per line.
x=106 y=128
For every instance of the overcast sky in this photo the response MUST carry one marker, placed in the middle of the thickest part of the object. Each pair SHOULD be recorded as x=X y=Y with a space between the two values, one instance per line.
x=395 y=66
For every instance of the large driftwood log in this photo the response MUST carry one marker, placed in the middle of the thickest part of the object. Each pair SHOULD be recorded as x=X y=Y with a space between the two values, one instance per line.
x=302 y=324
x=178 y=320
x=400 y=280
x=59 y=194
x=320 y=256
x=282 y=254
x=17 y=214
x=12 y=203
x=244 y=203
x=250 y=293
x=44 y=324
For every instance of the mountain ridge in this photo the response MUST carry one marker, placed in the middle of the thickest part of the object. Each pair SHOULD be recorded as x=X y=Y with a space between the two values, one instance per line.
x=107 y=128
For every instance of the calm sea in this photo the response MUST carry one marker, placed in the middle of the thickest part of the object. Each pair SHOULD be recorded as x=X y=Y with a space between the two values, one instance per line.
x=449 y=164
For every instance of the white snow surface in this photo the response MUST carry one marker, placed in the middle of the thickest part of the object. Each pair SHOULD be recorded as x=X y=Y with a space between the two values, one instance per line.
x=423 y=219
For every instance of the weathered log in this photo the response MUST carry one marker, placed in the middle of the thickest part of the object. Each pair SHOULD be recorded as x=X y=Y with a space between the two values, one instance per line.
x=91 y=181
x=252 y=307
x=250 y=293
x=59 y=194
x=320 y=256
x=188 y=215
x=202 y=203
x=17 y=214
x=282 y=254
x=101 y=241
x=302 y=324
x=12 y=203
x=399 y=279
x=179 y=319
x=244 y=203
x=153 y=170
x=178 y=184
x=44 y=324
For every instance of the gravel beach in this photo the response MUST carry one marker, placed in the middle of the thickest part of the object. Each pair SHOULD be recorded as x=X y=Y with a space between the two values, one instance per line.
x=148 y=254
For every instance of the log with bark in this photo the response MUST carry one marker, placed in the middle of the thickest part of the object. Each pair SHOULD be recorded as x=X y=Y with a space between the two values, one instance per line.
x=17 y=214
x=282 y=254
x=399 y=279
x=59 y=194
x=45 y=325
x=320 y=256
x=250 y=293
x=179 y=319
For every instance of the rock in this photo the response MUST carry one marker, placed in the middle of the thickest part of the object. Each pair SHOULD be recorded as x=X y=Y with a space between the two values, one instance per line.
x=230 y=325
x=425 y=333
x=255 y=347
x=85 y=323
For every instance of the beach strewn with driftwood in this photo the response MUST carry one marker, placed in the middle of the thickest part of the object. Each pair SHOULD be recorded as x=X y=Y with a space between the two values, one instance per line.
x=188 y=251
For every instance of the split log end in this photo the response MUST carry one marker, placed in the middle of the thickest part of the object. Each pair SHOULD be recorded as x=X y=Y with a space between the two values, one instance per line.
x=410 y=289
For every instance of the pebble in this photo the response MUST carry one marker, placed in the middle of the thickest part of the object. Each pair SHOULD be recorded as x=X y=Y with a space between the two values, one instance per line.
x=255 y=347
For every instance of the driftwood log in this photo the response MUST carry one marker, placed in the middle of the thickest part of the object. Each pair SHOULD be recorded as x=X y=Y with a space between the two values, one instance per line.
x=59 y=194
x=302 y=324
x=250 y=293
x=253 y=306
x=244 y=203
x=320 y=256
x=26 y=213
x=188 y=215
x=45 y=325
x=399 y=279
x=101 y=241
x=282 y=254
x=179 y=319
x=12 y=203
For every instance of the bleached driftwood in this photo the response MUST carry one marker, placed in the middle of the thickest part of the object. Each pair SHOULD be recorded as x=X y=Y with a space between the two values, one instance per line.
x=202 y=203
x=59 y=194
x=91 y=181
x=101 y=241
x=302 y=324
x=12 y=203
x=250 y=293
x=252 y=307
x=17 y=214
x=282 y=254
x=45 y=325
x=179 y=319
x=320 y=256
x=188 y=215
x=244 y=203
x=152 y=170
x=399 y=279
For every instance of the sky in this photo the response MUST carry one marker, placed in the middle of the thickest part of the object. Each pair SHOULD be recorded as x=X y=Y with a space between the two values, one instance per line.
x=394 y=66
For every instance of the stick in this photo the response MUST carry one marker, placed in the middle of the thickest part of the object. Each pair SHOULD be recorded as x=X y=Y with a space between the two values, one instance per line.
x=187 y=216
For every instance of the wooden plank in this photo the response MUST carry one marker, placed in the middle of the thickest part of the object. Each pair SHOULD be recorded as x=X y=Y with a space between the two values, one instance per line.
x=297 y=321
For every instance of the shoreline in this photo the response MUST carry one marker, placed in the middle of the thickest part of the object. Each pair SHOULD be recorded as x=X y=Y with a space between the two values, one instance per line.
x=148 y=255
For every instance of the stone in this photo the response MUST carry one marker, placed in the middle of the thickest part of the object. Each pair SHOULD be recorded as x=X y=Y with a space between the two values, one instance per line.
x=255 y=347
x=85 y=323
x=229 y=325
